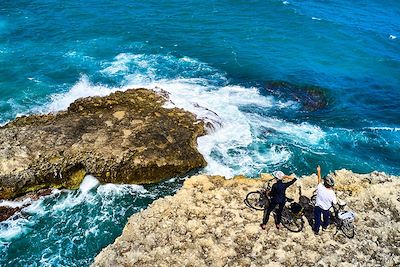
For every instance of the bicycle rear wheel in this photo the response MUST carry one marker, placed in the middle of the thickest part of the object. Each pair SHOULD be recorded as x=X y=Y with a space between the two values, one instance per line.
x=291 y=222
x=256 y=200
x=348 y=229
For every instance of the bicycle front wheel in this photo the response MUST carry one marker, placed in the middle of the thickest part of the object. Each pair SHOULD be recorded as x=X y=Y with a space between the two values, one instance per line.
x=256 y=201
x=291 y=222
x=348 y=229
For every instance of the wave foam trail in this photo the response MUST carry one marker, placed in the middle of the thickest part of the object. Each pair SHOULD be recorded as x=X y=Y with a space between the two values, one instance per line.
x=206 y=92
x=390 y=129
x=12 y=229
x=227 y=109
x=15 y=204
x=304 y=133
x=83 y=88
x=73 y=221
x=229 y=127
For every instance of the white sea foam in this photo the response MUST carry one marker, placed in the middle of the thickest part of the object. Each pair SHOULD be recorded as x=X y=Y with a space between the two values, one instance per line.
x=35 y=208
x=219 y=106
x=315 y=18
x=391 y=129
x=15 y=204
x=121 y=63
x=12 y=229
x=303 y=132
x=285 y=2
x=88 y=183
x=83 y=88
x=231 y=130
x=34 y=80
x=107 y=190
x=392 y=37
x=276 y=155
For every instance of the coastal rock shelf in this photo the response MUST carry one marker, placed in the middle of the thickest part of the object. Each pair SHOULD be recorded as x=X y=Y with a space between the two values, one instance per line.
x=126 y=137
x=207 y=224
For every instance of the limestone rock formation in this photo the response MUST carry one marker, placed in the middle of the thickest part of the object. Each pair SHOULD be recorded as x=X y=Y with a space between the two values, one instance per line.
x=127 y=137
x=207 y=224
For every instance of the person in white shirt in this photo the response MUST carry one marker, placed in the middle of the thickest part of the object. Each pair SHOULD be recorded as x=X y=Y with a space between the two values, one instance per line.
x=325 y=198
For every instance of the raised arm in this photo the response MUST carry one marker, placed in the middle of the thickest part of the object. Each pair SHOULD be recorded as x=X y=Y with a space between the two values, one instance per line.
x=319 y=174
x=291 y=182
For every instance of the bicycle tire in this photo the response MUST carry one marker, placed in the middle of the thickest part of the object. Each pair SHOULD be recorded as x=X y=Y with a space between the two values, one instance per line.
x=348 y=229
x=255 y=201
x=292 y=223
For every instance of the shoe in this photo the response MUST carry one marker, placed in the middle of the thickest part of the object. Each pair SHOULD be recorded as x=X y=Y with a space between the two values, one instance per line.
x=263 y=226
x=316 y=233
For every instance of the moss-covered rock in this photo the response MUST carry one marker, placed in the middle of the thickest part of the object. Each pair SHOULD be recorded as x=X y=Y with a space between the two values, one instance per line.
x=126 y=137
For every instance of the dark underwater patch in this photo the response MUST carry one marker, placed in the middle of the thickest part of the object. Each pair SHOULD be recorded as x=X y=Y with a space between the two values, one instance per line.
x=310 y=97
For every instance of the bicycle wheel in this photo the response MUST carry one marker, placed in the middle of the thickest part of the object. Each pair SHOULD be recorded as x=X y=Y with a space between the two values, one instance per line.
x=256 y=201
x=348 y=229
x=291 y=222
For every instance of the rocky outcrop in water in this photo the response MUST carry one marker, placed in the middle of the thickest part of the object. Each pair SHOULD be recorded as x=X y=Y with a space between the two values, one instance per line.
x=312 y=98
x=9 y=208
x=207 y=224
x=127 y=137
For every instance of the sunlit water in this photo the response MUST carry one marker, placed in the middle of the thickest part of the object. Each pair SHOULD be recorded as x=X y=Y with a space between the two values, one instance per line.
x=215 y=60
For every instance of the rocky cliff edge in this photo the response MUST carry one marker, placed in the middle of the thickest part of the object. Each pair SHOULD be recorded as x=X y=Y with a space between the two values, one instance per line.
x=207 y=224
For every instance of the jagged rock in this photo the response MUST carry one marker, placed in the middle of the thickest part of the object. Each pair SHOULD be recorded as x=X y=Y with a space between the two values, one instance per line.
x=8 y=209
x=7 y=212
x=207 y=224
x=127 y=137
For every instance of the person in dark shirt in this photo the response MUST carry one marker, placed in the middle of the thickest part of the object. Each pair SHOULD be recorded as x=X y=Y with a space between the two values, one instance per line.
x=278 y=197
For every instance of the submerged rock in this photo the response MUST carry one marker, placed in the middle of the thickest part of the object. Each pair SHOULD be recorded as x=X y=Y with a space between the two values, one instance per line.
x=7 y=212
x=127 y=137
x=310 y=97
x=207 y=224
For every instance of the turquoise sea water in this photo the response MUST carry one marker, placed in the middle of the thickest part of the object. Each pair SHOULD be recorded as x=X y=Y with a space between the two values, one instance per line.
x=215 y=58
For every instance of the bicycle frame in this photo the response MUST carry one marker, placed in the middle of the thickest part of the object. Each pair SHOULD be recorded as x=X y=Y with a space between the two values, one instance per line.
x=340 y=223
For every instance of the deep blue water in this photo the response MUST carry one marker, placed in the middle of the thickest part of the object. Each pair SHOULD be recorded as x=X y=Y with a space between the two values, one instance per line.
x=218 y=56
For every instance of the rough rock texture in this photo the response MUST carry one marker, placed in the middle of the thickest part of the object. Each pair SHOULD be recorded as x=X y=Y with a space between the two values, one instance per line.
x=207 y=224
x=127 y=137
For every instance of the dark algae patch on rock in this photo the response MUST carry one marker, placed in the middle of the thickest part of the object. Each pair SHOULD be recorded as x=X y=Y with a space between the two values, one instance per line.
x=126 y=137
x=311 y=97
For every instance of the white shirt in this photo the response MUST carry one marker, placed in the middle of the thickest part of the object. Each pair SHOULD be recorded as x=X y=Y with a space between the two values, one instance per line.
x=325 y=197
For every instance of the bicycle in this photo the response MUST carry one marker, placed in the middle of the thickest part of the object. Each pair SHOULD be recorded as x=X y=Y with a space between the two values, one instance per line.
x=258 y=199
x=343 y=220
x=292 y=215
